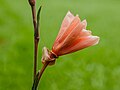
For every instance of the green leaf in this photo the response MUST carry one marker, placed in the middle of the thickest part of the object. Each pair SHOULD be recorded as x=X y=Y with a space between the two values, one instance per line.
x=38 y=17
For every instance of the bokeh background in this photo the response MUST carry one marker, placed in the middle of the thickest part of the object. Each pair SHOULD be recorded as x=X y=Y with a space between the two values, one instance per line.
x=94 y=68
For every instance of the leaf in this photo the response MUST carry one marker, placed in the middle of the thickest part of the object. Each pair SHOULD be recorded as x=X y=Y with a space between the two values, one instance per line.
x=38 y=17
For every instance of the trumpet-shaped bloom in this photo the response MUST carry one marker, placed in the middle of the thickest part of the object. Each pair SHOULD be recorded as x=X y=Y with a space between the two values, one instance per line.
x=73 y=36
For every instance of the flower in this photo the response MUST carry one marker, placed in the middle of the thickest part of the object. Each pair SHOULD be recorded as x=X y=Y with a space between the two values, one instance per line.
x=72 y=37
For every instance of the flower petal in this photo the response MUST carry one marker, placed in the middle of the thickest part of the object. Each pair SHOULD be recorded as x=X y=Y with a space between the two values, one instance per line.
x=66 y=22
x=58 y=42
x=84 y=42
x=72 y=36
x=84 y=22
x=80 y=44
x=84 y=33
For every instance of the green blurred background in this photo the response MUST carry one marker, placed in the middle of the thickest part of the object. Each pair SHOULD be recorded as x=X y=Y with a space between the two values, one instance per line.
x=94 y=68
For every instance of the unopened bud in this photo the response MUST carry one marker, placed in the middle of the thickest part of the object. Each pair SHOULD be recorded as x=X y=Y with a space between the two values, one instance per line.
x=32 y=2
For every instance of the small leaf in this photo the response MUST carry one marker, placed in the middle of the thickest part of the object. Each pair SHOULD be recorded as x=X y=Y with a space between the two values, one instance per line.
x=38 y=17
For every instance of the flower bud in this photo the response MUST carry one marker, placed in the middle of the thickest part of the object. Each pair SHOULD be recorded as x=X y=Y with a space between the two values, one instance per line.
x=32 y=2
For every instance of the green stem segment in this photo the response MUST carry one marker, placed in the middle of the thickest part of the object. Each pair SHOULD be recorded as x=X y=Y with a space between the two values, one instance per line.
x=38 y=76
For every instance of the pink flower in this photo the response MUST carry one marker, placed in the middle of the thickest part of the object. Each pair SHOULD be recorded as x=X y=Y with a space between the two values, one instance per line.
x=72 y=37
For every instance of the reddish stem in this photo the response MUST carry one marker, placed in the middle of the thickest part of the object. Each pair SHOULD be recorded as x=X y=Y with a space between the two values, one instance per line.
x=34 y=17
x=36 y=35
x=42 y=70
x=39 y=75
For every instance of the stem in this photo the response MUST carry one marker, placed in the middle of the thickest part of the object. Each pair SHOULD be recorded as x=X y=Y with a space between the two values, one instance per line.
x=35 y=55
x=37 y=79
x=42 y=70
x=36 y=37
x=34 y=17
